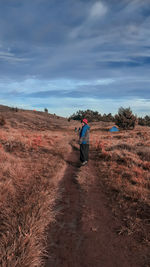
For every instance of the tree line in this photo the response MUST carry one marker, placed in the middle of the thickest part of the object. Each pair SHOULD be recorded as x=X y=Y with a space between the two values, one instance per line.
x=125 y=118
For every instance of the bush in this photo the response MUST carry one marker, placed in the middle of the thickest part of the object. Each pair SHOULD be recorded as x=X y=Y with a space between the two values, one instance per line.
x=91 y=115
x=2 y=120
x=141 y=121
x=14 y=109
x=125 y=118
x=46 y=110
x=144 y=121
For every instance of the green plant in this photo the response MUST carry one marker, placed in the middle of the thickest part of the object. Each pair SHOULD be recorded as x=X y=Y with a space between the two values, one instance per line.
x=144 y=121
x=125 y=118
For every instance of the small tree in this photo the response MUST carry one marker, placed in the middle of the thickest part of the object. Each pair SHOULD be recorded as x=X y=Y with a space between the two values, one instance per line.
x=46 y=110
x=125 y=118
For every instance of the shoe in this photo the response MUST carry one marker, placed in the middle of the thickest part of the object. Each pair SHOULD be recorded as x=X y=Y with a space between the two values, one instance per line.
x=83 y=163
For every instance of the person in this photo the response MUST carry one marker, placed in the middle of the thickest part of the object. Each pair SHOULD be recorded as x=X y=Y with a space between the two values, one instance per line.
x=84 y=142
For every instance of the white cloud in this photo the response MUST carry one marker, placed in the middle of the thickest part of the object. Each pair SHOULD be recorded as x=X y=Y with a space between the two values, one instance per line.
x=105 y=81
x=35 y=85
x=10 y=57
x=98 y=10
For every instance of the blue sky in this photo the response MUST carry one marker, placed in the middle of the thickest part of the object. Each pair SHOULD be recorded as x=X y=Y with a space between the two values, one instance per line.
x=68 y=55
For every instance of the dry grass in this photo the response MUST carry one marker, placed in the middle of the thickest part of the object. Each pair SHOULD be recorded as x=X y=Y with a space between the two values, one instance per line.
x=123 y=162
x=33 y=147
x=29 y=163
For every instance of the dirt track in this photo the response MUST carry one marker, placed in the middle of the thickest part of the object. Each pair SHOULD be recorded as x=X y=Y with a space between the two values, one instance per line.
x=84 y=232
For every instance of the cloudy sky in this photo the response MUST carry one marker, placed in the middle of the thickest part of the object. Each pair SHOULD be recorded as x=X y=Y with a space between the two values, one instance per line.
x=68 y=55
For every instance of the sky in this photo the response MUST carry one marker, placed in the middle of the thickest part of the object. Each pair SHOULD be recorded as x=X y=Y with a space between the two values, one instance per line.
x=70 y=55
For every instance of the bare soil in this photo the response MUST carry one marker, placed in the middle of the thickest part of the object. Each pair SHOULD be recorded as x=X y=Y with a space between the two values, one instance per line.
x=84 y=232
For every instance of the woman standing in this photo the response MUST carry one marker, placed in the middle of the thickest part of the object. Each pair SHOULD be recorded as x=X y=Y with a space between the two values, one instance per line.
x=84 y=142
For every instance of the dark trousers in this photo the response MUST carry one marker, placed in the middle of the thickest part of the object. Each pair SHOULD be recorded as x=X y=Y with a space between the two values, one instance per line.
x=84 y=152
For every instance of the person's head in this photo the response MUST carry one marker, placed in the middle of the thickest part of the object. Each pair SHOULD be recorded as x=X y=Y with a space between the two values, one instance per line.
x=84 y=121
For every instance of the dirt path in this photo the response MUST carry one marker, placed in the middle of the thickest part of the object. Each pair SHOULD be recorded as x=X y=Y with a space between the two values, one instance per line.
x=84 y=232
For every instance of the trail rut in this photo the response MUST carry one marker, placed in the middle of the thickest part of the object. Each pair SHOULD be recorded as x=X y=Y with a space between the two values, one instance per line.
x=83 y=234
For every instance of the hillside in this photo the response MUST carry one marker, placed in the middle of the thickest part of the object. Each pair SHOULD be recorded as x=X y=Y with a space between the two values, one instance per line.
x=54 y=212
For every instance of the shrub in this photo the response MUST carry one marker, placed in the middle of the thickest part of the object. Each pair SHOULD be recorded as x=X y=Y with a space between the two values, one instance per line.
x=144 y=121
x=141 y=121
x=2 y=120
x=91 y=116
x=125 y=118
x=46 y=110
x=14 y=109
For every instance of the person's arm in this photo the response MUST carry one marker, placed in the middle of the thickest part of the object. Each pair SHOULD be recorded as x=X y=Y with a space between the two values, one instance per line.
x=82 y=134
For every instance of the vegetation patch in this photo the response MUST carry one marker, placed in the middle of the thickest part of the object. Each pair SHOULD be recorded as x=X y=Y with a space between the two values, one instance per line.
x=124 y=174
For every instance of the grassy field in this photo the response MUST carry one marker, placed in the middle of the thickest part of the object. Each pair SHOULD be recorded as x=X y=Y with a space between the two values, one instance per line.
x=33 y=149
x=123 y=163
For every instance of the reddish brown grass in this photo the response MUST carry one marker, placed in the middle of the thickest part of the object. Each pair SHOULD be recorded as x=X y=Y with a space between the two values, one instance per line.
x=29 y=163
x=124 y=171
x=32 y=151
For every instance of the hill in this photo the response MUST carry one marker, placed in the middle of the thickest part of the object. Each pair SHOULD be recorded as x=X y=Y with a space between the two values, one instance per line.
x=54 y=212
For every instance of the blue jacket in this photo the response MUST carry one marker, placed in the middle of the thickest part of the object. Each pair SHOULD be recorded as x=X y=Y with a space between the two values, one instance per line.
x=84 y=134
